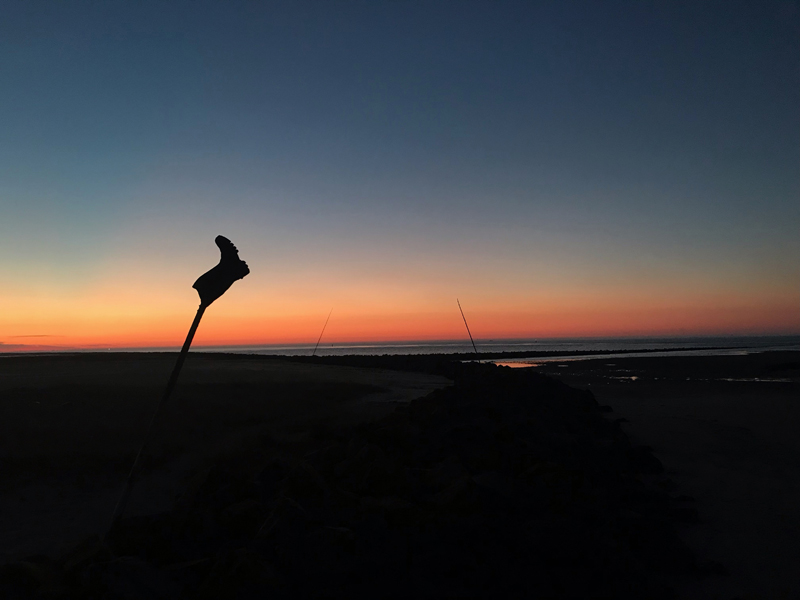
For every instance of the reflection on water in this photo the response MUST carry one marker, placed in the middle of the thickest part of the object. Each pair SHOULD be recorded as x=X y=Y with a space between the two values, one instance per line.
x=516 y=363
x=761 y=379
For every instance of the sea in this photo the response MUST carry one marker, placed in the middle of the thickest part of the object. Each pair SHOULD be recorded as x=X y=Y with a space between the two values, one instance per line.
x=547 y=349
x=629 y=345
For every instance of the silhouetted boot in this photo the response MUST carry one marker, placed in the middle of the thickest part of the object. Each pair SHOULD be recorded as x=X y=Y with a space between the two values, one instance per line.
x=214 y=283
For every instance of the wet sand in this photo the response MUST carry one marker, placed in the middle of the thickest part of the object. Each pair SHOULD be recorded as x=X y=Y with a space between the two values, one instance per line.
x=728 y=432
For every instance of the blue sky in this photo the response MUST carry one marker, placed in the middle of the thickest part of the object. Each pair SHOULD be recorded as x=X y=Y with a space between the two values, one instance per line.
x=566 y=144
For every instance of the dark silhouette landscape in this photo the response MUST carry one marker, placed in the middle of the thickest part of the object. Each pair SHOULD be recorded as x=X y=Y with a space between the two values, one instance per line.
x=395 y=476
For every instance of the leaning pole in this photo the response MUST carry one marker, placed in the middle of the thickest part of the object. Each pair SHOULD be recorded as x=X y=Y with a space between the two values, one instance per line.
x=210 y=286
x=467 y=326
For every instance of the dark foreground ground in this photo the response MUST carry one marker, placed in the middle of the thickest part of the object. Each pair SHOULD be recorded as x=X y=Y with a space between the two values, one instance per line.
x=727 y=429
x=364 y=477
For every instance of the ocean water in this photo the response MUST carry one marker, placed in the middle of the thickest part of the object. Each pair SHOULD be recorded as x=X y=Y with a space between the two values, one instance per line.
x=586 y=346
x=693 y=345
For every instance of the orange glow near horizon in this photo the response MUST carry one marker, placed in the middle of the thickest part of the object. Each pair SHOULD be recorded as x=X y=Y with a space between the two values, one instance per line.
x=152 y=305
x=115 y=321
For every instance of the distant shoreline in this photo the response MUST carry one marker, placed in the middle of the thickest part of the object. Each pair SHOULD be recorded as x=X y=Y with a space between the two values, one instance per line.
x=487 y=348
x=548 y=355
x=454 y=355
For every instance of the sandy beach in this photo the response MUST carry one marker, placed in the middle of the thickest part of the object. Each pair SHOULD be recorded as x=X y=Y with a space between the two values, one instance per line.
x=70 y=426
x=724 y=428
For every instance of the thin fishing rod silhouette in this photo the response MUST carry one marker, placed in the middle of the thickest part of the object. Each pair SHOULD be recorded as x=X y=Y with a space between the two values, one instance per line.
x=321 y=332
x=210 y=286
x=465 y=323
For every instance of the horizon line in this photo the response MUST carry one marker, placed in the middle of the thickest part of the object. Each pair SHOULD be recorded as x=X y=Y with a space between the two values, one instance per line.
x=17 y=347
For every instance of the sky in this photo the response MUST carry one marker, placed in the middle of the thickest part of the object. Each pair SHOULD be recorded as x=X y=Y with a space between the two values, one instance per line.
x=562 y=168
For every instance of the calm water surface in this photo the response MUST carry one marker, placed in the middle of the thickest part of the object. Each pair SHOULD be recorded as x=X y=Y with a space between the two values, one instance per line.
x=688 y=346
x=665 y=345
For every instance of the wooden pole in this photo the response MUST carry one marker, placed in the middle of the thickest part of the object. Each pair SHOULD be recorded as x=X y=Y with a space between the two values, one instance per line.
x=465 y=323
x=173 y=379
x=321 y=332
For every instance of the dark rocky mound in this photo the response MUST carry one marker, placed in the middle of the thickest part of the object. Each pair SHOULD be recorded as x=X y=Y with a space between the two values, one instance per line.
x=508 y=484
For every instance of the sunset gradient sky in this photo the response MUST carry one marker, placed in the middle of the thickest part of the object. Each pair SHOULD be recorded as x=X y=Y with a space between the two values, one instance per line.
x=564 y=168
